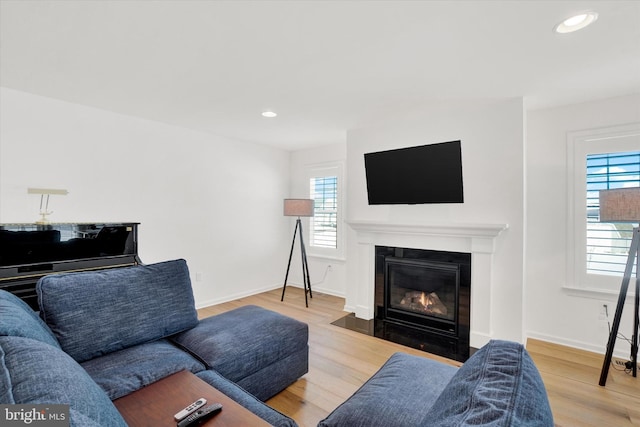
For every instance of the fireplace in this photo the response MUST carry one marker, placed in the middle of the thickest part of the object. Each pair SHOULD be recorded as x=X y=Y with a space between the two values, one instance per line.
x=422 y=299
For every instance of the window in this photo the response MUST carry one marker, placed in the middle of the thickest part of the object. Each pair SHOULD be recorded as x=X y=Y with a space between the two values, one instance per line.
x=599 y=159
x=607 y=243
x=326 y=232
x=324 y=223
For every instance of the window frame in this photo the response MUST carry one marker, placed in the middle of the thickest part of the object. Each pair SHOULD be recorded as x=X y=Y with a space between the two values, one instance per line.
x=324 y=170
x=579 y=146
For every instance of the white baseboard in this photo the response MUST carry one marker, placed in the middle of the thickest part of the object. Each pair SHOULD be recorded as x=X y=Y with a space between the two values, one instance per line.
x=349 y=308
x=319 y=289
x=231 y=297
x=620 y=351
x=227 y=298
x=364 y=312
x=478 y=340
x=328 y=291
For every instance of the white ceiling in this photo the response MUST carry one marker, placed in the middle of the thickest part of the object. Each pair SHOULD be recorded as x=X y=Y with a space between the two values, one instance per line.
x=324 y=66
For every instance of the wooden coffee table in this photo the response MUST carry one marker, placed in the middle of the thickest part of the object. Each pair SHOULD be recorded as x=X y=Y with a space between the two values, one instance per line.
x=155 y=405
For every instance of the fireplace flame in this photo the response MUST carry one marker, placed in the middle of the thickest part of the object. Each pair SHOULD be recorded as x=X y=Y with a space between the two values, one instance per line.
x=424 y=303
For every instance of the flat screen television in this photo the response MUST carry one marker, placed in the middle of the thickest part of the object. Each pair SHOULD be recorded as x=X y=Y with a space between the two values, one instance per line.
x=415 y=175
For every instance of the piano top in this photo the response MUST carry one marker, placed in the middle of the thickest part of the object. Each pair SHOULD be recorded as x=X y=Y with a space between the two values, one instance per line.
x=30 y=251
x=29 y=243
x=34 y=225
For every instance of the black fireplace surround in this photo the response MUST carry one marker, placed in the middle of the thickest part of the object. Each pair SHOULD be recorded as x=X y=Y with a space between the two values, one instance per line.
x=422 y=299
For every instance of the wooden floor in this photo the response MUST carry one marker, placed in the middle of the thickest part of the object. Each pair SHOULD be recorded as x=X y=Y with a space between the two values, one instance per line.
x=341 y=360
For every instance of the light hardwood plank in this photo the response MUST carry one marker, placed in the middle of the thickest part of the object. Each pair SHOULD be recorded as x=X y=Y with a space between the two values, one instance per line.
x=571 y=377
x=340 y=361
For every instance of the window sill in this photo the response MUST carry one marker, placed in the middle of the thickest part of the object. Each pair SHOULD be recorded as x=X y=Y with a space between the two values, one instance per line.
x=596 y=293
x=328 y=257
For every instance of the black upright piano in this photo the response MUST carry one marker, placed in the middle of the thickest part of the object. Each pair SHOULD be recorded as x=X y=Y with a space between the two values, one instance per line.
x=31 y=251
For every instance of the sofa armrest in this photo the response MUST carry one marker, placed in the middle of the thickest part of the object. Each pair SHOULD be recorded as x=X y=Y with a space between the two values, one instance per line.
x=245 y=399
x=400 y=394
x=498 y=386
x=32 y=372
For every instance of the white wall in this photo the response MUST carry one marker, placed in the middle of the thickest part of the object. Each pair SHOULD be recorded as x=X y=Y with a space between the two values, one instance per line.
x=214 y=201
x=555 y=314
x=197 y=195
x=323 y=279
x=493 y=169
x=531 y=263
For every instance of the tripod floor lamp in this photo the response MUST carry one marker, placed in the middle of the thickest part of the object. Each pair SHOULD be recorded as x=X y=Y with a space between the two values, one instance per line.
x=299 y=208
x=623 y=205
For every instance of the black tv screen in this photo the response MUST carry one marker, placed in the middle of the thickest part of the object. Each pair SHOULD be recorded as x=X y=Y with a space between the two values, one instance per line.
x=415 y=175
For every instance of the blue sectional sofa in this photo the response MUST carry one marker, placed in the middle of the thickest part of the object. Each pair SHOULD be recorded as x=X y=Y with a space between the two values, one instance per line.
x=104 y=334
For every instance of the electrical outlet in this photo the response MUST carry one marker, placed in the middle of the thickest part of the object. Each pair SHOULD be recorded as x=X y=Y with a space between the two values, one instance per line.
x=603 y=314
x=603 y=317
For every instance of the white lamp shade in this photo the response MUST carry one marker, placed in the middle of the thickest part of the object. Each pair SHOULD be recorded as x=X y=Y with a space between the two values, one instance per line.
x=298 y=207
x=620 y=205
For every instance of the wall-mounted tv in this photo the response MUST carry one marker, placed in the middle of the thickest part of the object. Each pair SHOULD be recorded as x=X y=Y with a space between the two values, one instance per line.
x=415 y=175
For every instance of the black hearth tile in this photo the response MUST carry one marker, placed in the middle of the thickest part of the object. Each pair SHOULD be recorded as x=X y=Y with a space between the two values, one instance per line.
x=408 y=336
x=353 y=323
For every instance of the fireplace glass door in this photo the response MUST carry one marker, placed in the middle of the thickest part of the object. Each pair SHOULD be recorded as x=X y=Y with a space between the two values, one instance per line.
x=421 y=289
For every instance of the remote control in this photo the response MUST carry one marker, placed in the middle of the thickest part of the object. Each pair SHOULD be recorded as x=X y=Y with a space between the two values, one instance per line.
x=190 y=409
x=200 y=415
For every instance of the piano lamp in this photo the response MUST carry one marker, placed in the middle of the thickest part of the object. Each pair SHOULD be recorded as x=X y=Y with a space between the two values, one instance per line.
x=299 y=208
x=44 y=203
x=623 y=205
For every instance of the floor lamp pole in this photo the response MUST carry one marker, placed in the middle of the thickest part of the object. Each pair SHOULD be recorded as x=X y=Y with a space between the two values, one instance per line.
x=305 y=265
x=634 y=258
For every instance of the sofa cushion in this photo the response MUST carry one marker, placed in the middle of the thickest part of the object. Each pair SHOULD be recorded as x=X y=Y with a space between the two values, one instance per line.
x=125 y=371
x=19 y=320
x=245 y=399
x=34 y=372
x=498 y=386
x=399 y=394
x=248 y=340
x=98 y=312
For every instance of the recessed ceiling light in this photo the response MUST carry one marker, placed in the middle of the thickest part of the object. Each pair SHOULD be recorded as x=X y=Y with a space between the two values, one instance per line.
x=576 y=22
x=269 y=114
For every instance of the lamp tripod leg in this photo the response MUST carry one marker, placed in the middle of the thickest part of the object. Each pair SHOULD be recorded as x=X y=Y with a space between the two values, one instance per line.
x=286 y=276
x=633 y=256
x=636 y=318
x=305 y=267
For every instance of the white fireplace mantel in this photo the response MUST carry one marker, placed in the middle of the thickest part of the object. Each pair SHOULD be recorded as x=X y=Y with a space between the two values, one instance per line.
x=443 y=229
x=477 y=239
x=480 y=236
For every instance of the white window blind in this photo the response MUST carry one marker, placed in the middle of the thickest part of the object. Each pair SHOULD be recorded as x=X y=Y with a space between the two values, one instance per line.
x=608 y=243
x=324 y=223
